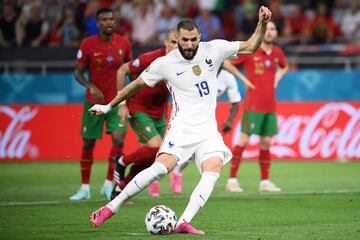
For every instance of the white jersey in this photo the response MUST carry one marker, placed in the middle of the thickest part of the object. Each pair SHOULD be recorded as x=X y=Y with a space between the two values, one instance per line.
x=227 y=83
x=193 y=85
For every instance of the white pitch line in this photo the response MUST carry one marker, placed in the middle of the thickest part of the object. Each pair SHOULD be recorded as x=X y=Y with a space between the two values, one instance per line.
x=186 y=196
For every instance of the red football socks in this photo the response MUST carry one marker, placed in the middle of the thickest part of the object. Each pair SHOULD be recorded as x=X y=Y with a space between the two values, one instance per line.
x=235 y=161
x=264 y=161
x=87 y=158
x=110 y=171
x=141 y=154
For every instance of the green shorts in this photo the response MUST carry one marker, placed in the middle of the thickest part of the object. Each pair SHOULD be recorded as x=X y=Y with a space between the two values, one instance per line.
x=146 y=127
x=261 y=124
x=92 y=127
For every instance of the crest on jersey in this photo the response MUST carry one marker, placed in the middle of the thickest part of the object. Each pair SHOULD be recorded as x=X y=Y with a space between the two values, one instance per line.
x=148 y=129
x=136 y=63
x=267 y=63
x=196 y=70
x=120 y=51
x=110 y=59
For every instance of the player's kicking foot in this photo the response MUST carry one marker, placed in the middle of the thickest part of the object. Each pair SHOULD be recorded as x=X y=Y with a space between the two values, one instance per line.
x=176 y=183
x=187 y=228
x=100 y=216
x=119 y=173
x=154 y=189
x=82 y=194
x=233 y=185
x=267 y=186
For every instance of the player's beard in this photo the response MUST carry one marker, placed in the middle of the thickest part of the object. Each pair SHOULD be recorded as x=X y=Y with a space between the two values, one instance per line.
x=188 y=54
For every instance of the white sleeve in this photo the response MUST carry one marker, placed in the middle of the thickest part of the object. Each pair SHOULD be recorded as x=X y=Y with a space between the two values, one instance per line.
x=225 y=48
x=152 y=74
x=232 y=87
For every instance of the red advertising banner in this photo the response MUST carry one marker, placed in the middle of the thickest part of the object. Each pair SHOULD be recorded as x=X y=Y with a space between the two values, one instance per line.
x=307 y=131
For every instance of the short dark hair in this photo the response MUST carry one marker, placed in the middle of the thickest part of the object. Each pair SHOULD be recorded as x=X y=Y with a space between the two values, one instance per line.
x=101 y=11
x=187 y=24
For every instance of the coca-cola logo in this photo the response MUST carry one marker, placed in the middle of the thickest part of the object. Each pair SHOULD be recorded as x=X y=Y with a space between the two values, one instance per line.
x=14 y=138
x=332 y=131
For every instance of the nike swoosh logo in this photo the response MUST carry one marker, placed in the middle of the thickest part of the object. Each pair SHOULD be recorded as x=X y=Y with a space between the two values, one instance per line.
x=179 y=73
x=97 y=54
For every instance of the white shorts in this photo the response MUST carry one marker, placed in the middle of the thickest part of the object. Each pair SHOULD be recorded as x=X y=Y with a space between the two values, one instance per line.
x=201 y=149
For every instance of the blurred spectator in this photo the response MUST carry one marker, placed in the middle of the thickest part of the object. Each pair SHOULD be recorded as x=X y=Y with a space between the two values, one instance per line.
x=207 y=4
x=90 y=17
x=122 y=25
x=350 y=24
x=53 y=11
x=144 y=23
x=276 y=17
x=209 y=25
x=295 y=26
x=249 y=22
x=228 y=18
x=126 y=8
x=68 y=30
x=186 y=8
x=34 y=31
x=53 y=14
x=322 y=28
x=168 y=20
x=7 y=26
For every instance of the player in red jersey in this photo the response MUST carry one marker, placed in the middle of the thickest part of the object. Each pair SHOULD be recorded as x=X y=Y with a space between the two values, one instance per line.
x=264 y=69
x=102 y=54
x=147 y=109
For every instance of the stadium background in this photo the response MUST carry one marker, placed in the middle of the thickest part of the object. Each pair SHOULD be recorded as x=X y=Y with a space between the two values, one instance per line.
x=318 y=142
x=319 y=98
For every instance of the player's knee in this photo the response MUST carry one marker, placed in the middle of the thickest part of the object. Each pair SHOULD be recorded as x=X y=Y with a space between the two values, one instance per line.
x=88 y=144
x=118 y=139
x=265 y=143
x=167 y=160
x=154 y=142
x=212 y=165
x=244 y=140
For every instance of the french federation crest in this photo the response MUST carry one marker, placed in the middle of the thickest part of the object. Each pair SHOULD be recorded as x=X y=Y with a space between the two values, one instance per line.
x=196 y=70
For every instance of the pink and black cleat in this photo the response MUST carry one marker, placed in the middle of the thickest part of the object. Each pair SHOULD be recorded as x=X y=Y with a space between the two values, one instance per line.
x=100 y=216
x=187 y=228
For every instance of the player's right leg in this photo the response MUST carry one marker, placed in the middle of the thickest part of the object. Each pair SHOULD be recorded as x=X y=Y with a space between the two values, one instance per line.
x=86 y=162
x=269 y=129
x=211 y=169
x=163 y=164
x=233 y=184
x=91 y=129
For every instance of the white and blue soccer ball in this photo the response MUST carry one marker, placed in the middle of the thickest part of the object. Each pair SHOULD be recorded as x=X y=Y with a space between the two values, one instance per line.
x=160 y=220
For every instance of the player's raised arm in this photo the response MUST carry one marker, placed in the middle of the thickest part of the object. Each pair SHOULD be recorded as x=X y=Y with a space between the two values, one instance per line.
x=254 y=42
x=125 y=93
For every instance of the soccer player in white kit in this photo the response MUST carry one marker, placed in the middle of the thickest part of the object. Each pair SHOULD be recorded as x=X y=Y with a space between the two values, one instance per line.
x=190 y=74
x=226 y=83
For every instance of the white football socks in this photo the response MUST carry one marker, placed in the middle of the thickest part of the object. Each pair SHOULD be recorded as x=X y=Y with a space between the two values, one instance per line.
x=85 y=187
x=199 y=196
x=140 y=181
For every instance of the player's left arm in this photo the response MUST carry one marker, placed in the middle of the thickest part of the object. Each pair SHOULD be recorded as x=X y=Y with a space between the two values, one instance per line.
x=254 y=42
x=283 y=69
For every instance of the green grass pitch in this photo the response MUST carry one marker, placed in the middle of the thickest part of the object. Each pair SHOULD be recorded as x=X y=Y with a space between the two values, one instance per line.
x=320 y=200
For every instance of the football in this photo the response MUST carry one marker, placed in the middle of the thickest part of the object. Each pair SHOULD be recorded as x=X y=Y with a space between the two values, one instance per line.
x=160 y=220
